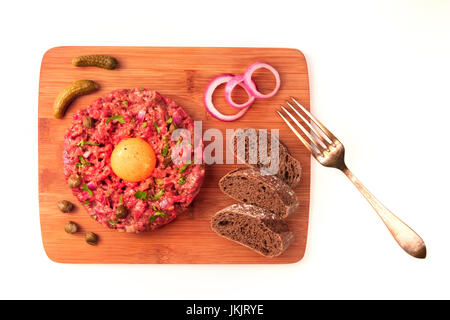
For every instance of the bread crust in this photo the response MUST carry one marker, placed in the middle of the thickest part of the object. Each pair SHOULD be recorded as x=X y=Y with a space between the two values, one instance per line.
x=248 y=186
x=269 y=235
x=289 y=168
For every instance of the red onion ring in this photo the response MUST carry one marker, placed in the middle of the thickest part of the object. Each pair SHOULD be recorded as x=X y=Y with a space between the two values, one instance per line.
x=217 y=81
x=250 y=84
x=237 y=80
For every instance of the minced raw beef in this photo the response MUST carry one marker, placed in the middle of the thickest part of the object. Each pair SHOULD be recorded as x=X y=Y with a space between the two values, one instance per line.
x=122 y=114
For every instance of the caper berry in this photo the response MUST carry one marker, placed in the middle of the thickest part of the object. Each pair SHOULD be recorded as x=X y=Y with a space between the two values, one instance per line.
x=74 y=181
x=71 y=227
x=88 y=122
x=91 y=238
x=121 y=212
x=65 y=206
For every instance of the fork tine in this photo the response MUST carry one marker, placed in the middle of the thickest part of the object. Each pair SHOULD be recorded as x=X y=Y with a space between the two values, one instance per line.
x=317 y=134
x=299 y=136
x=314 y=141
x=327 y=133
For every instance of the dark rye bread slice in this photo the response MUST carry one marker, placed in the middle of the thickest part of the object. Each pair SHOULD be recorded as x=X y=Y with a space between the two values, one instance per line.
x=253 y=227
x=289 y=169
x=250 y=187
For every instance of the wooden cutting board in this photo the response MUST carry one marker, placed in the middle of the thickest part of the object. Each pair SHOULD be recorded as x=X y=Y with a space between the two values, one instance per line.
x=181 y=74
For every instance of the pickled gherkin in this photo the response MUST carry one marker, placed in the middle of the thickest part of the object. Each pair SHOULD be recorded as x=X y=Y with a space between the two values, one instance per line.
x=70 y=93
x=95 y=60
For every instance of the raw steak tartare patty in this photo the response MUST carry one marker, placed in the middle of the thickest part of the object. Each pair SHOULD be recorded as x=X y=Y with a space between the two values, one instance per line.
x=122 y=114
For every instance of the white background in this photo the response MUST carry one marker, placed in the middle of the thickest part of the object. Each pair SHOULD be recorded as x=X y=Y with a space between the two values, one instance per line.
x=379 y=77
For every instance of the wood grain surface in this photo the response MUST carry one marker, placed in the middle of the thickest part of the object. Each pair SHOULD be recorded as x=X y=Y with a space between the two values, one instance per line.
x=181 y=74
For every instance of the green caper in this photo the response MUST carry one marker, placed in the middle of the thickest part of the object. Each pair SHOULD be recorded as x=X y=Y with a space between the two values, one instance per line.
x=91 y=238
x=88 y=122
x=74 y=181
x=65 y=206
x=121 y=212
x=71 y=227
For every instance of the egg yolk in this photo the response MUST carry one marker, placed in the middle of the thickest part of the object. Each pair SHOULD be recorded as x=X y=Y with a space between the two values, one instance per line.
x=133 y=160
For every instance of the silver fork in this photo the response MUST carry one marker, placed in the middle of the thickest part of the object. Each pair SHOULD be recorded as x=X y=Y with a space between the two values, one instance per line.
x=329 y=151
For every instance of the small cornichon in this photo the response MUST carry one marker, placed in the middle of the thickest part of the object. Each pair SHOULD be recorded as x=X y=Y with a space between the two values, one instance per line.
x=95 y=60
x=70 y=93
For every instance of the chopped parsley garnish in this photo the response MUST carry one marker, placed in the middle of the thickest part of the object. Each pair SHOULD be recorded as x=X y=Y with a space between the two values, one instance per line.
x=120 y=199
x=82 y=163
x=83 y=143
x=144 y=124
x=165 y=151
x=94 y=216
x=156 y=127
x=169 y=121
x=157 y=214
x=86 y=202
x=85 y=188
x=182 y=180
x=112 y=223
x=144 y=195
x=158 y=195
x=184 y=167
x=141 y=195
x=125 y=103
x=117 y=117
x=142 y=89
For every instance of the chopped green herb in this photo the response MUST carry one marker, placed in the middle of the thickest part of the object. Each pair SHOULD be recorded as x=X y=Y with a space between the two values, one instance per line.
x=144 y=124
x=112 y=223
x=184 y=167
x=86 y=202
x=83 y=162
x=83 y=143
x=85 y=188
x=141 y=195
x=125 y=103
x=120 y=199
x=169 y=121
x=94 y=216
x=117 y=117
x=158 y=195
x=144 y=195
x=157 y=214
x=156 y=127
x=142 y=89
x=165 y=150
x=182 y=180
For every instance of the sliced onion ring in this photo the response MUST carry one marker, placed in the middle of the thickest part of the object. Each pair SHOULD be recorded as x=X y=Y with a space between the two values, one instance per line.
x=217 y=81
x=237 y=80
x=250 y=84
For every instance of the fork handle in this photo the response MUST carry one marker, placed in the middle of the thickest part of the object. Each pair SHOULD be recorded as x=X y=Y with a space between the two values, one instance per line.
x=406 y=237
